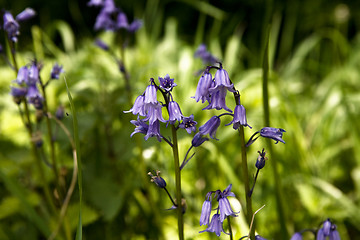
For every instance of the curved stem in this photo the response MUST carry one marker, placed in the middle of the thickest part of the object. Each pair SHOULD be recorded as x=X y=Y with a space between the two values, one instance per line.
x=249 y=211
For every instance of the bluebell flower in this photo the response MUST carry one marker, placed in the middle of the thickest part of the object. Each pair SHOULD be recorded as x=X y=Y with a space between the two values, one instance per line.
x=104 y=21
x=273 y=133
x=188 y=124
x=36 y=101
x=202 y=90
x=109 y=6
x=22 y=76
x=140 y=126
x=224 y=204
x=154 y=131
x=154 y=112
x=328 y=231
x=18 y=92
x=205 y=56
x=139 y=106
x=198 y=140
x=25 y=15
x=174 y=112
x=258 y=237
x=135 y=25
x=167 y=83
x=159 y=181
x=150 y=94
x=55 y=71
x=206 y=210
x=101 y=44
x=260 y=161
x=11 y=26
x=121 y=21
x=296 y=236
x=96 y=3
x=239 y=117
x=222 y=81
x=210 y=127
x=217 y=100
x=215 y=225
x=33 y=74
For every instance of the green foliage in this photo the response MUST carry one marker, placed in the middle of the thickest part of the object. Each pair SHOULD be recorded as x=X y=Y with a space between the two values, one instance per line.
x=313 y=94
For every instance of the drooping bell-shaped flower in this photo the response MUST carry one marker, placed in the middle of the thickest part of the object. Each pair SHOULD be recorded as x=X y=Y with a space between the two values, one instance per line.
x=159 y=181
x=104 y=21
x=140 y=126
x=206 y=211
x=273 y=133
x=210 y=127
x=167 y=83
x=56 y=71
x=217 y=100
x=121 y=21
x=202 y=90
x=188 y=124
x=296 y=236
x=135 y=25
x=239 y=117
x=25 y=15
x=215 y=226
x=11 y=26
x=33 y=74
x=198 y=140
x=174 y=112
x=150 y=94
x=224 y=204
x=154 y=112
x=109 y=6
x=22 y=76
x=222 y=81
x=206 y=56
x=139 y=106
x=154 y=131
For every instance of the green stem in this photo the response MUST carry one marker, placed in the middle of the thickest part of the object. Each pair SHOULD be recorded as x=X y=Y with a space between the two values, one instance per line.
x=244 y=166
x=178 y=183
x=52 y=144
x=230 y=229
x=277 y=180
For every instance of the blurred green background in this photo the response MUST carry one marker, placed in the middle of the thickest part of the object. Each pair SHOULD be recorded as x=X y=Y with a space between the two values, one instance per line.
x=314 y=96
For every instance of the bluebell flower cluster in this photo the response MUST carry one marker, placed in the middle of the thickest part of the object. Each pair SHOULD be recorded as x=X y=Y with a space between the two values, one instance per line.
x=11 y=25
x=222 y=211
x=328 y=231
x=111 y=18
x=150 y=109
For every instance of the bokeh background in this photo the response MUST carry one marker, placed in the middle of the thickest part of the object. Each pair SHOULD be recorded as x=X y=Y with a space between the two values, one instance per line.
x=314 y=95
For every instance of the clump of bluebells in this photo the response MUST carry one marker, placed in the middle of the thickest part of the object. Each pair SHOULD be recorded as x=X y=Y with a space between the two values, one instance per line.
x=328 y=231
x=223 y=210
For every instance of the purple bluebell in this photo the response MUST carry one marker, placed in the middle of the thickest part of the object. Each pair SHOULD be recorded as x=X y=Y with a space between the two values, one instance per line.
x=154 y=131
x=224 y=204
x=328 y=231
x=260 y=162
x=56 y=71
x=206 y=210
x=202 y=90
x=205 y=56
x=60 y=113
x=273 y=133
x=222 y=81
x=210 y=127
x=215 y=225
x=150 y=94
x=217 y=100
x=11 y=26
x=101 y=44
x=96 y=3
x=22 y=76
x=239 y=117
x=258 y=237
x=33 y=74
x=18 y=92
x=174 y=112
x=36 y=101
x=104 y=21
x=139 y=106
x=198 y=140
x=159 y=181
x=296 y=236
x=25 y=15
x=121 y=21
x=188 y=124
x=154 y=112
x=140 y=126
x=135 y=25
x=167 y=83
x=109 y=6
